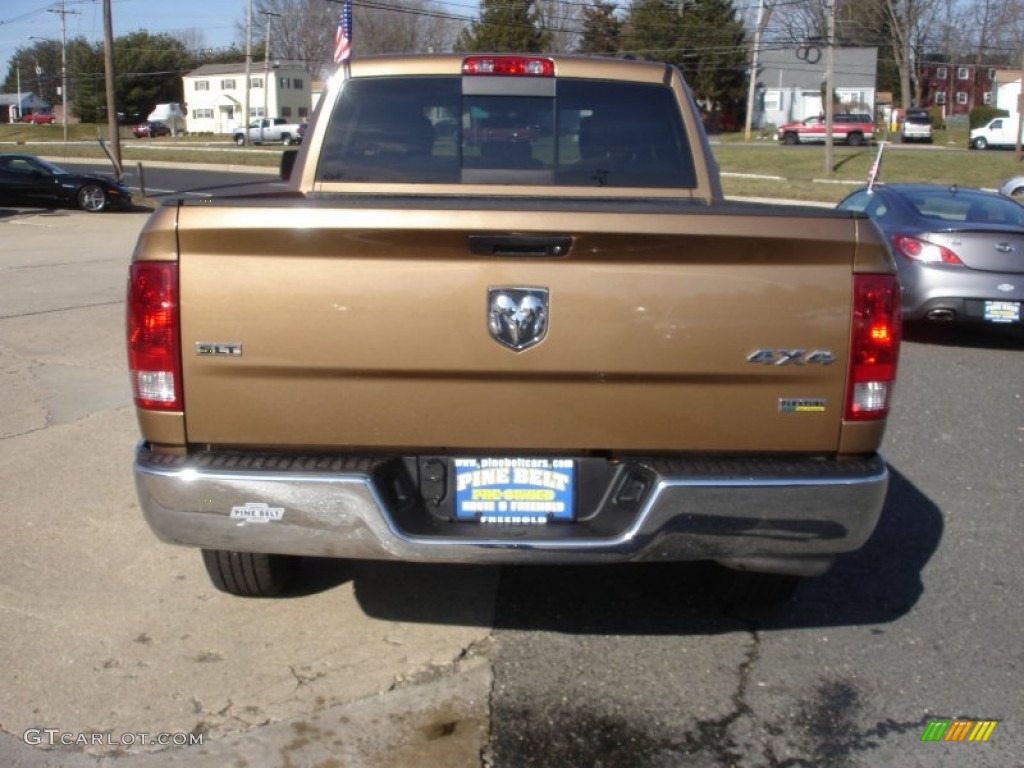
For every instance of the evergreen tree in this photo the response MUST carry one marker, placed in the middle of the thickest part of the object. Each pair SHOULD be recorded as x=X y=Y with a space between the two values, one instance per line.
x=504 y=25
x=602 y=30
x=703 y=38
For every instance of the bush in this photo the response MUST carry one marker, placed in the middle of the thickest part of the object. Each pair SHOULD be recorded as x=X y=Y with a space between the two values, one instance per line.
x=980 y=116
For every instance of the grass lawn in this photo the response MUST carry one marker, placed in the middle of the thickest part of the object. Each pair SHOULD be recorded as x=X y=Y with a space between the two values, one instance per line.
x=796 y=173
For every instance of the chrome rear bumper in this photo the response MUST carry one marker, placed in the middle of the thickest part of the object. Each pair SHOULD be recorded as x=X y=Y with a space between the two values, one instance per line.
x=788 y=516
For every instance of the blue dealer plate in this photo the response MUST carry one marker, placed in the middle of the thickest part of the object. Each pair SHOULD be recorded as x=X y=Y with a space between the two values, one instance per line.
x=509 y=490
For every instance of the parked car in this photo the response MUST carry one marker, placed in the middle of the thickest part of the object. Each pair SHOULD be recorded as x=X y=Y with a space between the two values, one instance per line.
x=25 y=178
x=959 y=252
x=1013 y=187
x=917 y=126
x=853 y=128
x=998 y=133
x=150 y=128
x=39 y=118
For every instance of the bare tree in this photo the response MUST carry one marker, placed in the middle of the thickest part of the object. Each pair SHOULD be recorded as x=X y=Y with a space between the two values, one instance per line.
x=304 y=30
x=562 y=20
x=403 y=26
x=993 y=33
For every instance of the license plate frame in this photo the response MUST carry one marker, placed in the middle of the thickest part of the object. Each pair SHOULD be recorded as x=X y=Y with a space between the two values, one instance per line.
x=515 y=490
x=1002 y=311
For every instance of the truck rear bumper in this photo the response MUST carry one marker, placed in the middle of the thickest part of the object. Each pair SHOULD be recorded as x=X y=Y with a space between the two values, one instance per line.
x=783 y=516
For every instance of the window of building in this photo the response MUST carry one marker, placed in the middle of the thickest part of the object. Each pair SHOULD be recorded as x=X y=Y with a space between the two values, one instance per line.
x=257 y=112
x=227 y=85
x=961 y=97
x=987 y=98
x=286 y=83
x=296 y=82
x=963 y=73
x=941 y=73
x=202 y=114
x=202 y=85
x=286 y=111
x=256 y=82
x=303 y=111
x=991 y=75
x=940 y=97
x=771 y=101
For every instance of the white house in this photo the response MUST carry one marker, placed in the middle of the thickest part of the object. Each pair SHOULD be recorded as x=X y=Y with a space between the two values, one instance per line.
x=789 y=82
x=1008 y=92
x=215 y=95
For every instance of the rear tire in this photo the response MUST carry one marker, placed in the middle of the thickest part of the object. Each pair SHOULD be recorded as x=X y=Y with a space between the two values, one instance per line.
x=250 y=574
x=747 y=589
x=288 y=141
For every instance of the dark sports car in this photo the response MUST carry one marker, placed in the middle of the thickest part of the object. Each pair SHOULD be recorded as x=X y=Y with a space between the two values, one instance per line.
x=28 y=179
x=959 y=252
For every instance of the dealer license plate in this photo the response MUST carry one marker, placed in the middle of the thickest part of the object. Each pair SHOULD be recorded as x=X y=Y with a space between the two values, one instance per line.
x=514 y=490
x=1002 y=311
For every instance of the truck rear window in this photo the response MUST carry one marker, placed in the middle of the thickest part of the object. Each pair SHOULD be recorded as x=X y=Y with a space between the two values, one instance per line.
x=427 y=130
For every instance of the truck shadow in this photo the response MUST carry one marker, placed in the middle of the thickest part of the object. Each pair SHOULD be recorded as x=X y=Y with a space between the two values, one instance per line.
x=878 y=584
x=978 y=336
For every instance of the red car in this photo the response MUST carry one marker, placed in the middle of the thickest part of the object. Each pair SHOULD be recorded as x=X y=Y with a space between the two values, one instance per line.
x=39 y=118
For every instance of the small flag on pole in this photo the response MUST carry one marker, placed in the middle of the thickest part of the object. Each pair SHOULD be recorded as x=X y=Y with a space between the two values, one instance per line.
x=343 y=38
x=876 y=167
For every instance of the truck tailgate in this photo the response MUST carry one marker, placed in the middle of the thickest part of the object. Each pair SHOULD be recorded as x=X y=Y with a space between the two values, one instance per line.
x=331 y=327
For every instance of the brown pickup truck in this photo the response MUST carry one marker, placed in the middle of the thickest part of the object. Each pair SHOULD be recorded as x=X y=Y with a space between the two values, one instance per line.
x=504 y=315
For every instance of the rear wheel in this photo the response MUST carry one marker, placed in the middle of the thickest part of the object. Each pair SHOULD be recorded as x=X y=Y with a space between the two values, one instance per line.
x=92 y=198
x=288 y=141
x=747 y=589
x=250 y=574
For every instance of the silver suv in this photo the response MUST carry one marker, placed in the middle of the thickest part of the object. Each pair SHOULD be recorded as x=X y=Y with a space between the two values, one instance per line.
x=917 y=126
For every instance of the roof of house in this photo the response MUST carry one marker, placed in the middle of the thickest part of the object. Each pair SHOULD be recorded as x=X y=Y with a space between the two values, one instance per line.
x=1004 y=76
x=28 y=99
x=236 y=68
x=786 y=68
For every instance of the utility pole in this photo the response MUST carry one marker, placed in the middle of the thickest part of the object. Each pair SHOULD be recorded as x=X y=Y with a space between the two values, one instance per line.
x=248 y=71
x=63 y=13
x=10 y=116
x=266 y=64
x=108 y=66
x=1020 y=110
x=830 y=6
x=762 y=21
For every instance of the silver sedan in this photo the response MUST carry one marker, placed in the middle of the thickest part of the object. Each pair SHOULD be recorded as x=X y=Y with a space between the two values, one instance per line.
x=959 y=252
x=1013 y=187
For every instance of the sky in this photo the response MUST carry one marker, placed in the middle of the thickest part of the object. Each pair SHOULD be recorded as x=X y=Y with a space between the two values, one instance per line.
x=216 y=20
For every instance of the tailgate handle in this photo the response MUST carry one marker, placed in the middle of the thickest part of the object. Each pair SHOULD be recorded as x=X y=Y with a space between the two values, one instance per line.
x=519 y=245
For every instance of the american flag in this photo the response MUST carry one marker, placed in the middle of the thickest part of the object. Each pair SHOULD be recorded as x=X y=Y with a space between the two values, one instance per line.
x=343 y=38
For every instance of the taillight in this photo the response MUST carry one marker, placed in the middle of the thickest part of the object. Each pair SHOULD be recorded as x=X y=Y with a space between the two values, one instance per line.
x=530 y=66
x=874 y=346
x=154 y=342
x=915 y=249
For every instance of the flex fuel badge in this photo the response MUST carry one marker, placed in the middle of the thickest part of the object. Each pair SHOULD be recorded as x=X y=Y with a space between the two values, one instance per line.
x=257 y=512
x=802 y=405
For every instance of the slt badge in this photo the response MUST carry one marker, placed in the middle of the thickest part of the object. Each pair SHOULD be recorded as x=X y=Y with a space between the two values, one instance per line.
x=517 y=317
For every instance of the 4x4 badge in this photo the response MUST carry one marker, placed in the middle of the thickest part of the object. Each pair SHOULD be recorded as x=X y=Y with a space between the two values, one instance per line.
x=517 y=317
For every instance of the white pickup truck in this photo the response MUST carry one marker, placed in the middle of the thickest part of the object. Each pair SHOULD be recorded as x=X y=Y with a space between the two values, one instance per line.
x=269 y=130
